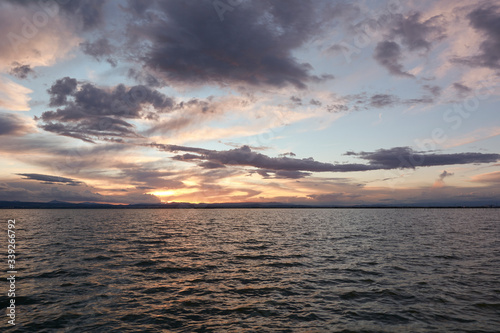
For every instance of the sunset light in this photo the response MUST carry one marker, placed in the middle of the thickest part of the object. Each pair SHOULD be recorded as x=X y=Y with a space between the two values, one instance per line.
x=250 y=165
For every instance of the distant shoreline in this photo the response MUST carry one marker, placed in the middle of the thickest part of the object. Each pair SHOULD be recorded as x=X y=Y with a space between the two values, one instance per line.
x=179 y=205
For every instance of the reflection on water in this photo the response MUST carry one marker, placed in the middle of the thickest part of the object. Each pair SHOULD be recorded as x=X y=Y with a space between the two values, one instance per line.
x=268 y=270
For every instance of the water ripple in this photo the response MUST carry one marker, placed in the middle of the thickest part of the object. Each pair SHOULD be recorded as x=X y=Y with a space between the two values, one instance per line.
x=269 y=270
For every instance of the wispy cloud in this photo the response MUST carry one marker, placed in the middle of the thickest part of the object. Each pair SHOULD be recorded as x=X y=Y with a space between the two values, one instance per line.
x=47 y=179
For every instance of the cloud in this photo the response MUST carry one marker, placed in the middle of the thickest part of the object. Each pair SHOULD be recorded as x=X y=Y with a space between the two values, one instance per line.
x=445 y=174
x=85 y=15
x=90 y=113
x=142 y=176
x=405 y=157
x=193 y=111
x=416 y=34
x=21 y=71
x=244 y=156
x=99 y=49
x=488 y=178
x=461 y=89
x=315 y=102
x=282 y=174
x=339 y=197
x=388 y=54
x=382 y=159
x=188 y=43
x=46 y=179
x=440 y=181
x=13 y=96
x=411 y=32
x=32 y=36
x=361 y=101
x=434 y=90
x=48 y=191
x=88 y=13
x=383 y=100
x=486 y=21
x=12 y=124
x=296 y=100
x=60 y=91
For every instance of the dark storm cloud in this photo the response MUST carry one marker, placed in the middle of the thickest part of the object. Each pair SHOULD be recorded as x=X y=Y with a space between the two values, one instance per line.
x=189 y=43
x=21 y=71
x=416 y=34
x=90 y=100
x=89 y=112
x=388 y=54
x=46 y=179
x=61 y=90
x=487 y=21
x=382 y=159
x=12 y=124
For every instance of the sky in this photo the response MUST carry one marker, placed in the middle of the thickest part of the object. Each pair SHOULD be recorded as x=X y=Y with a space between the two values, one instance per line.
x=310 y=102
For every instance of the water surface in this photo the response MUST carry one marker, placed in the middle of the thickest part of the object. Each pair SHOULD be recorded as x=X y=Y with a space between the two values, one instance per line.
x=256 y=270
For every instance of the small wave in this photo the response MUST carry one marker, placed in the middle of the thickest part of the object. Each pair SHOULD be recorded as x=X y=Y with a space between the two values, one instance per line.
x=305 y=317
x=179 y=269
x=447 y=257
x=98 y=258
x=259 y=291
x=157 y=290
x=493 y=306
x=285 y=264
x=375 y=294
x=254 y=257
x=146 y=263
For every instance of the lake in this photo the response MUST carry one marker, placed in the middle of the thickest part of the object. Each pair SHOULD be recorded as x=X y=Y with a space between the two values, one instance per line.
x=255 y=270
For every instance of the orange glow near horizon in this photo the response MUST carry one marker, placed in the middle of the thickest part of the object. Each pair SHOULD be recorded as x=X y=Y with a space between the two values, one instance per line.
x=163 y=193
